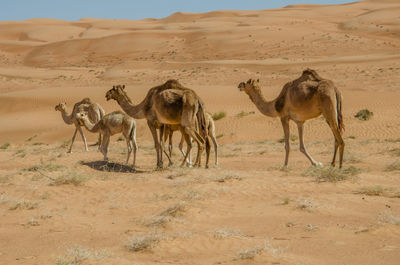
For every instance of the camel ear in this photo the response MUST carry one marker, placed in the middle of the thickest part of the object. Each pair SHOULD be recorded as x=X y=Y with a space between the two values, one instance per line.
x=123 y=86
x=258 y=80
x=249 y=81
x=113 y=87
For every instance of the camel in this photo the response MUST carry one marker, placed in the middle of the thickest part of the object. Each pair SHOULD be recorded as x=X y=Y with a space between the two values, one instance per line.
x=94 y=110
x=302 y=99
x=169 y=131
x=110 y=124
x=169 y=104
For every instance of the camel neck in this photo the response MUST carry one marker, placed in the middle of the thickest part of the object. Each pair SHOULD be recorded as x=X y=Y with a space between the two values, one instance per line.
x=88 y=125
x=67 y=118
x=135 y=111
x=265 y=107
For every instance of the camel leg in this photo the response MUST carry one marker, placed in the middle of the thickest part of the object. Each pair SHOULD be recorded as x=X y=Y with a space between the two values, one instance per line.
x=134 y=145
x=302 y=146
x=339 y=143
x=83 y=137
x=165 y=130
x=188 y=151
x=104 y=145
x=73 y=140
x=286 y=131
x=329 y=112
x=183 y=139
x=170 y=142
x=200 y=143
x=208 y=149
x=129 y=149
x=156 y=143
x=214 y=140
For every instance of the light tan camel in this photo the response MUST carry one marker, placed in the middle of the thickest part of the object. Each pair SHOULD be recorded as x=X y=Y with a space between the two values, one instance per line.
x=170 y=104
x=95 y=113
x=110 y=124
x=169 y=131
x=302 y=99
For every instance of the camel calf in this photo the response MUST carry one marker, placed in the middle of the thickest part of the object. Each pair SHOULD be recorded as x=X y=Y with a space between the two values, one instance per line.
x=110 y=124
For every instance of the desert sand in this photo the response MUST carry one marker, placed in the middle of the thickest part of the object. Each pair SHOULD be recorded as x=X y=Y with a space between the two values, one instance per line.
x=59 y=208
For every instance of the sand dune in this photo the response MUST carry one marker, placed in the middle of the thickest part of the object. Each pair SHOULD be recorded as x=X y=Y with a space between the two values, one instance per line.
x=247 y=211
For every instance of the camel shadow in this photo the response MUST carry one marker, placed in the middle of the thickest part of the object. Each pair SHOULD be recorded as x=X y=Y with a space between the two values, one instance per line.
x=102 y=165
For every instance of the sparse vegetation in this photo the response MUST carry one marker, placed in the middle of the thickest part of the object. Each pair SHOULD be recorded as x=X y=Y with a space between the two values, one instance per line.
x=31 y=138
x=71 y=177
x=378 y=190
x=227 y=177
x=395 y=151
x=395 y=166
x=45 y=167
x=24 y=204
x=5 y=146
x=253 y=252
x=364 y=115
x=331 y=174
x=225 y=232
x=292 y=138
x=219 y=136
x=78 y=254
x=143 y=242
x=121 y=138
x=244 y=114
x=219 y=115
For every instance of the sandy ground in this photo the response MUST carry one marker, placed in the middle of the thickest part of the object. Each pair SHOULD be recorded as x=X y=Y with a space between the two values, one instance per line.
x=59 y=208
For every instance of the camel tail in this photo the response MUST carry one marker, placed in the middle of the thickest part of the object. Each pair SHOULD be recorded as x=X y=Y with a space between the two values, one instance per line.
x=201 y=119
x=339 y=100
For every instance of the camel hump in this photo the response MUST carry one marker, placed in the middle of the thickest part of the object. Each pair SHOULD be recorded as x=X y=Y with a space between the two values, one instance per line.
x=312 y=75
x=172 y=84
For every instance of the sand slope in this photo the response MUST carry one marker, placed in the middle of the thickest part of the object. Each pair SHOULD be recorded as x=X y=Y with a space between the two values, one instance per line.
x=247 y=211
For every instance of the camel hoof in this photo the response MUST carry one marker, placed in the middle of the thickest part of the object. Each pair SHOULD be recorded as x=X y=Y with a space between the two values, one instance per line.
x=318 y=164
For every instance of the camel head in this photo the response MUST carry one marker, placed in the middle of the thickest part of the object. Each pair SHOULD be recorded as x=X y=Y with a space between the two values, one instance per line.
x=249 y=85
x=81 y=116
x=61 y=106
x=114 y=92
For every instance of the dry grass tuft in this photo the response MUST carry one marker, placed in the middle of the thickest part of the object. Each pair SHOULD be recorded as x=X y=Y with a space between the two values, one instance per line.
x=5 y=146
x=244 y=114
x=225 y=233
x=395 y=166
x=174 y=210
x=24 y=204
x=71 y=177
x=143 y=242
x=364 y=115
x=378 y=190
x=253 y=252
x=78 y=254
x=331 y=174
x=219 y=115
x=227 y=177
x=292 y=138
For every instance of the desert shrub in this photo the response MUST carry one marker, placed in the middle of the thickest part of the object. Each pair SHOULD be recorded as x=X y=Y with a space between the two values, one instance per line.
x=364 y=115
x=143 y=242
x=219 y=115
x=71 y=177
x=244 y=113
x=5 y=146
x=331 y=174
x=395 y=166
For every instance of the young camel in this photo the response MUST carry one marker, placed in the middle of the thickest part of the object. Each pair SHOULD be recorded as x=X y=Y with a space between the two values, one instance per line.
x=302 y=99
x=169 y=104
x=169 y=131
x=94 y=110
x=110 y=124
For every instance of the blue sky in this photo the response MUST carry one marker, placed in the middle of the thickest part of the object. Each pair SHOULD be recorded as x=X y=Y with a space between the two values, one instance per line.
x=135 y=9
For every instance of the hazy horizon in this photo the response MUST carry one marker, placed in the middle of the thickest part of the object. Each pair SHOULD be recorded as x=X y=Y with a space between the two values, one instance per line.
x=120 y=9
